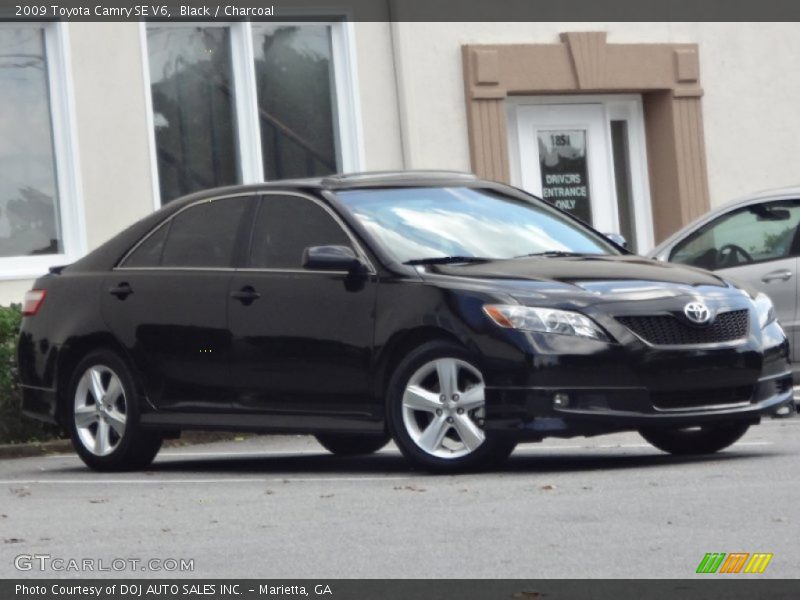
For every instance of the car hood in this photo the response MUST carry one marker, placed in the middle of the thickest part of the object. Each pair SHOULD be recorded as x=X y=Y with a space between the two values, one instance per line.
x=583 y=279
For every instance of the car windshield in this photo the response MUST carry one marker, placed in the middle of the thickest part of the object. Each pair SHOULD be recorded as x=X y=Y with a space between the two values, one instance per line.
x=429 y=223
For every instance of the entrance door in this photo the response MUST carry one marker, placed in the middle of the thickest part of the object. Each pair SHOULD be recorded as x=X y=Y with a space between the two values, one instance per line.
x=565 y=159
x=586 y=155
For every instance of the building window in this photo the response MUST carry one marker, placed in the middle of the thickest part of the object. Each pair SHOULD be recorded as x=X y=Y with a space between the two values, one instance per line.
x=249 y=102
x=36 y=204
x=191 y=81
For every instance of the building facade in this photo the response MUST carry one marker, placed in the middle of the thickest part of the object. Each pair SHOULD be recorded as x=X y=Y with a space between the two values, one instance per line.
x=635 y=127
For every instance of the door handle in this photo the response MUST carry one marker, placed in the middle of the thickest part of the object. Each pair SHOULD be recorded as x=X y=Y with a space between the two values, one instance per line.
x=121 y=291
x=247 y=295
x=782 y=275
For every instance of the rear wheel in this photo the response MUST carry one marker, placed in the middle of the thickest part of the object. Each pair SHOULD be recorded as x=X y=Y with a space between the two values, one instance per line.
x=104 y=416
x=436 y=409
x=344 y=444
x=703 y=439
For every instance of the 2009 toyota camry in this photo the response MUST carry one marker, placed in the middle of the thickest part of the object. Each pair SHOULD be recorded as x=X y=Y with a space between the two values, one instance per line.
x=454 y=315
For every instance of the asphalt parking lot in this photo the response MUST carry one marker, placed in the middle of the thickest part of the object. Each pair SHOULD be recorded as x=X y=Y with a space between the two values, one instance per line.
x=611 y=506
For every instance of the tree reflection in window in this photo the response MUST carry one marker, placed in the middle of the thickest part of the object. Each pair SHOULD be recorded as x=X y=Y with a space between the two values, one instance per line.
x=29 y=218
x=296 y=101
x=193 y=108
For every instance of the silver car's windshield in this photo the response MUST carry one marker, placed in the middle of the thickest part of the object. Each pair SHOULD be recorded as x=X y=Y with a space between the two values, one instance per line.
x=420 y=223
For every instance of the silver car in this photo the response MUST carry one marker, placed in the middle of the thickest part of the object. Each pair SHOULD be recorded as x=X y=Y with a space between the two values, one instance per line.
x=755 y=241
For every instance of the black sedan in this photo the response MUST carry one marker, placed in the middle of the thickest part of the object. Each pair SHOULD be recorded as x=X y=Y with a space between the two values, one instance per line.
x=453 y=315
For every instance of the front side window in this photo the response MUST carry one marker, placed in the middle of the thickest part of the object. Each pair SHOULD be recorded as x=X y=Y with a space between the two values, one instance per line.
x=756 y=233
x=423 y=223
x=203 y=236
x=285 y=226
x=191 y=82
x=30 y=219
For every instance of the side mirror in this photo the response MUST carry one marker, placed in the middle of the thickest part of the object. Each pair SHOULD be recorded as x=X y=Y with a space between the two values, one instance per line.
x=331 y=258
x=618 y=239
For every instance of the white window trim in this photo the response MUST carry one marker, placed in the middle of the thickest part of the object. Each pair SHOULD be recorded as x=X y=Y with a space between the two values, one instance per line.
x=65 y=150
x=349 y=135
x=626 y=107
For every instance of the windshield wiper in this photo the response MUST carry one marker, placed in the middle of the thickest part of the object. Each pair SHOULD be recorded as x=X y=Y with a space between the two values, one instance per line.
x=447 y=260
x=552 y=253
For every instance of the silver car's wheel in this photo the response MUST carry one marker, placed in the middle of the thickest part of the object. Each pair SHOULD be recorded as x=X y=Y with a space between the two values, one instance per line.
x=100 y=410
x=443 y=408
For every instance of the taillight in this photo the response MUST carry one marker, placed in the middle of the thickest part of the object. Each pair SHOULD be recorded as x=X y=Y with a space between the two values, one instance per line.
x=33 y=302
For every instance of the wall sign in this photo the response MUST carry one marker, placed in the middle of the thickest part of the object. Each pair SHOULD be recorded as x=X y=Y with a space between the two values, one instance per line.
x=565 y=179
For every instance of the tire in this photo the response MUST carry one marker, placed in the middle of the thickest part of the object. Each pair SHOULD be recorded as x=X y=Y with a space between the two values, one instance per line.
x=705 y=439
x=417 y=401
x=107 y=435
x=343 y=444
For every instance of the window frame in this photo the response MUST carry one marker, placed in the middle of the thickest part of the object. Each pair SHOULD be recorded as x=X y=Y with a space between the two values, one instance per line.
x=348 y=134
x=65 y=157
x=794 y=246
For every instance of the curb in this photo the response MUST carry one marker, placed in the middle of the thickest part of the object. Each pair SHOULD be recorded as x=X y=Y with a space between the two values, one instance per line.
x=64 y=446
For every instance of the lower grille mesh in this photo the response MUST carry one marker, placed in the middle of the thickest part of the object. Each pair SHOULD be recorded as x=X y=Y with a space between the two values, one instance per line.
x=667 y=330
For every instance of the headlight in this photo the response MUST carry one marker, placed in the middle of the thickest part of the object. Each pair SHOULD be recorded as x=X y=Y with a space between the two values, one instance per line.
x=544 y=320
x=764 y=309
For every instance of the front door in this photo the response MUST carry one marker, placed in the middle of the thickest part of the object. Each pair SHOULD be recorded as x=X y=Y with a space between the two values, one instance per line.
x=302 y=339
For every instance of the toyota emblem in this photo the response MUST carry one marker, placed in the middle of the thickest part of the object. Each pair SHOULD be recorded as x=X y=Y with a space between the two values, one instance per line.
x=697 y=312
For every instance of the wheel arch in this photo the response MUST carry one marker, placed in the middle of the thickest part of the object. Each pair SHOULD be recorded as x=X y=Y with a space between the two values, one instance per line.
x=400 y=345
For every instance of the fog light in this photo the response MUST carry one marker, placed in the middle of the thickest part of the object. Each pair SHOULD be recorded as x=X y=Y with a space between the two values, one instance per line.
x=561 y=400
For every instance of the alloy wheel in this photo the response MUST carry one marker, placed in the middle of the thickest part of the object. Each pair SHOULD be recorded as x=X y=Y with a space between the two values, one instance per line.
x=443 y=408
x=100 y=410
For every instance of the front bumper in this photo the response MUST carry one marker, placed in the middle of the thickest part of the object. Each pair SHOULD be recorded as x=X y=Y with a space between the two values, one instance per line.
x=534 y=413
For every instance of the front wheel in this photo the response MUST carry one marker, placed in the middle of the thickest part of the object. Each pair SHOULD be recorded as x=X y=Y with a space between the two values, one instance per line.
x=104 y=416
x=703 y=439
x=436 y=409
x=343 y=444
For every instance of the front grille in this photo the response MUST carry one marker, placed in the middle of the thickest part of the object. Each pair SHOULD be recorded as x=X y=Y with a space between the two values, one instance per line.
x=684 y=399
x=667 y=330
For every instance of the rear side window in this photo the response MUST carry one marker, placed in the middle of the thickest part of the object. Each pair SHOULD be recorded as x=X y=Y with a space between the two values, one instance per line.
x=285 y=226
x=148 y=253
x=202 y=236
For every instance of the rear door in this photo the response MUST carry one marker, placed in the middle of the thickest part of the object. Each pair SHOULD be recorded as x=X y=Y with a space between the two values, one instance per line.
x=167 y=303
x=756 y=245
x=302 y=339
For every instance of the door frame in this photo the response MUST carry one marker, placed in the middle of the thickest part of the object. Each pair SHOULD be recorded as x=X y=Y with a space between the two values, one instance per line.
x=627 y=107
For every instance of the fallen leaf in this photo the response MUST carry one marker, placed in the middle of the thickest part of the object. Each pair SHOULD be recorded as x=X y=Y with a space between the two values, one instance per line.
x=527 y=594
x=410 y=488
x=20 y=492
x=13 y=541
x=548 y=487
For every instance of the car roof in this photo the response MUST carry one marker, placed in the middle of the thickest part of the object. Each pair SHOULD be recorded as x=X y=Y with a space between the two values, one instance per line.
x=371 y=179
x=782 y=193
x=107 y=254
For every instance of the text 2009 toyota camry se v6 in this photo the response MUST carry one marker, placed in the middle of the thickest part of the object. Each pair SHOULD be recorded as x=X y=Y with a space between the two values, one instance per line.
x=454 y=315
